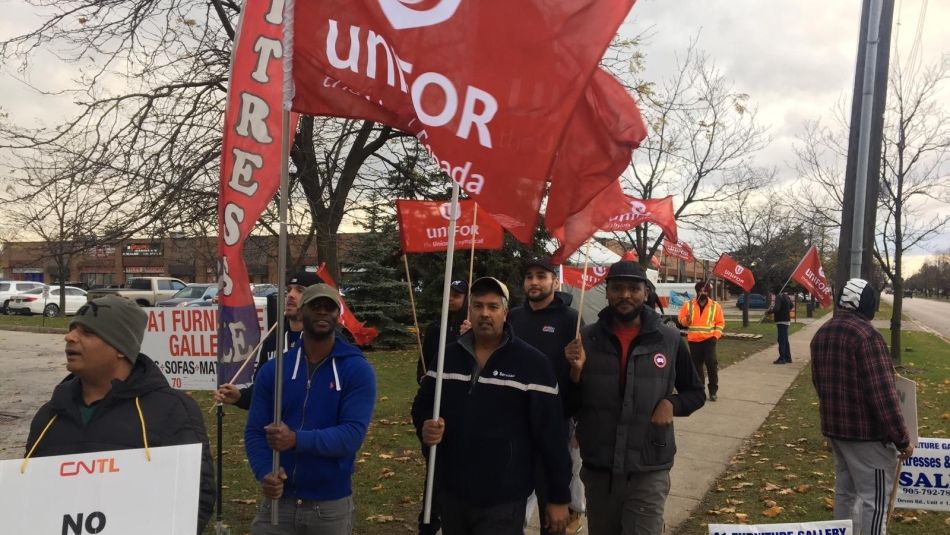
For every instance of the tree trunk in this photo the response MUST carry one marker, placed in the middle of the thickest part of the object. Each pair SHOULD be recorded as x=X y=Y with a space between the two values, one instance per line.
x=896 y=320
x=327 y=252
x=745 y=309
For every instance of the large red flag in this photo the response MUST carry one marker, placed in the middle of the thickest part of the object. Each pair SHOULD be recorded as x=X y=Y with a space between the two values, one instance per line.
x=679 y=249
x=250 y=165
x=487 y=87
x=574 y=276
x=811 y=276
x=597 y=145
x=729 y=269
x=639 y=211
x=424 y=226
x=362 y=334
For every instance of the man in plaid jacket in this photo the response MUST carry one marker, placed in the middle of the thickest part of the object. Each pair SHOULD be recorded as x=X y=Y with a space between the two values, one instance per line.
x=860 y=410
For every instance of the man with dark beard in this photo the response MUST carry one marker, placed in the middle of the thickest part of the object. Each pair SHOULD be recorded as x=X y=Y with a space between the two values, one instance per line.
x=634 y=375
x=329 y=390
x=547 y=323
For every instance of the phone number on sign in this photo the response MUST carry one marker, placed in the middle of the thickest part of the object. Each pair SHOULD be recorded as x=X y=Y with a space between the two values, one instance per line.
x=927 y=492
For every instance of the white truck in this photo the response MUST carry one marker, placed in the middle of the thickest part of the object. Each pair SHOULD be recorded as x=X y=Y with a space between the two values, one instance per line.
x=146 y=291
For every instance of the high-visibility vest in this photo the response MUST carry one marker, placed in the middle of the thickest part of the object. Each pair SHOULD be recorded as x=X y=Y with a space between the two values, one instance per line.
x=702 y=324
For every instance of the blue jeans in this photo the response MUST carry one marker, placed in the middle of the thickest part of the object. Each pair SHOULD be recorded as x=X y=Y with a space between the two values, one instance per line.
x=305 y=517
x=784 y=350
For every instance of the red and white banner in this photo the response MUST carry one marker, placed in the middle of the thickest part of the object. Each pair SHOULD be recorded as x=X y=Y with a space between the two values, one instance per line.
x=575 y=278
x=362 y=334
x=679 y=249
x=639 y=211
x=424 y=226
x=487 y=87
x=634 y=256
x=730 y=270
x=250 y=164
x=811 y=276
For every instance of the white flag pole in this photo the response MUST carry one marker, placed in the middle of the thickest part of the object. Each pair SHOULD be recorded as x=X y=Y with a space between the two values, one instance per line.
x=580 y=306
x=440 y=360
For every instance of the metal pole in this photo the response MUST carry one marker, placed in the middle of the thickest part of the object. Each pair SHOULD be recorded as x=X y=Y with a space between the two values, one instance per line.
x=415 y=320
x=440 y=360
x=281 y=298
x=864 y=137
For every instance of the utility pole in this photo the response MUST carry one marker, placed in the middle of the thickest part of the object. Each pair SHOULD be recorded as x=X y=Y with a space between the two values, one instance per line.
x=862 y=175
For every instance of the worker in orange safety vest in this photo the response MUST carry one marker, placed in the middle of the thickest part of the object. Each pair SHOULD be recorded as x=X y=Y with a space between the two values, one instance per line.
x=703 y=320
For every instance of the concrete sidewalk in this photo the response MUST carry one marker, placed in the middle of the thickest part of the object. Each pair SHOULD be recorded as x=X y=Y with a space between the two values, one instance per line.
x=707 y=440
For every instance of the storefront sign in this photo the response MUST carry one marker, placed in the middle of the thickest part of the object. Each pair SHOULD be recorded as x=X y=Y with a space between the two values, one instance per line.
x=142 y=249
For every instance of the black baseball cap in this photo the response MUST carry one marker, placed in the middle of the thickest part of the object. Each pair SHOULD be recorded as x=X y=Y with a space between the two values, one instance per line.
x=304 y=278
x=459 y=287
x=543 y=262
x=625 y=269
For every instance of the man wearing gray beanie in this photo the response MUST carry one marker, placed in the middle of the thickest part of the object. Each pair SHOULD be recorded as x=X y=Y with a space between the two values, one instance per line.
x=117 y=398
x=859 y=407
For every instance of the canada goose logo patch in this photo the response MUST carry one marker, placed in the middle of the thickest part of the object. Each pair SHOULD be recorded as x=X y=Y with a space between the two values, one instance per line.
x=660 y=360
x=547 y=329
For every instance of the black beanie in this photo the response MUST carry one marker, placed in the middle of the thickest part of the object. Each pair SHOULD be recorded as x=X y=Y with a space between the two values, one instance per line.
x=858 y=296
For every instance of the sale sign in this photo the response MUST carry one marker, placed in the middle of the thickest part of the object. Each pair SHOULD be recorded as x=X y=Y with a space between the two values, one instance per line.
x=103 y=492
x=183 y=342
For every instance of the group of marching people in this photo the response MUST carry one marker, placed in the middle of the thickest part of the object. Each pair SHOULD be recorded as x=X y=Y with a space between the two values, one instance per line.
x=520 y=387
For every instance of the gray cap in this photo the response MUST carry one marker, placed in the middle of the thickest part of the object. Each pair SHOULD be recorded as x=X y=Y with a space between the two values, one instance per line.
x=117 y=320
x=320 y=290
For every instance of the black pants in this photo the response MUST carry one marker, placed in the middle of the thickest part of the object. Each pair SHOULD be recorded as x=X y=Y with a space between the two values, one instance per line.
x=704 y=356
x=459 y=517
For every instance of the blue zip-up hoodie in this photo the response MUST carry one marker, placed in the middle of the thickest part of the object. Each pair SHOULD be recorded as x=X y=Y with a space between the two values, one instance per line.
x=329 y=412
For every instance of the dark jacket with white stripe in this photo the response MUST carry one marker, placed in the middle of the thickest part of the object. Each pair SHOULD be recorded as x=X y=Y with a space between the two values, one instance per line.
x=613 y=428
x=498 y=422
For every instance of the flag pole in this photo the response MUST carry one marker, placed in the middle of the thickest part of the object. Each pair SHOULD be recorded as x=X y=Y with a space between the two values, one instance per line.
x=580 y=306
x=471 y=260
x=281 y=284
x=415 y=320
x=440 y=360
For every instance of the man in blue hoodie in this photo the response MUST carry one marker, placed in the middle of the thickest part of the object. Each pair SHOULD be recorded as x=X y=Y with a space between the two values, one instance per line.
x=329 y=390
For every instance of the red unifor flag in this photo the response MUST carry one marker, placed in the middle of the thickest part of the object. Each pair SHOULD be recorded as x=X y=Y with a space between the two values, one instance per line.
x=596 y=148
x=574 y=276
x=679 y=249
x=634 y=256
x=250 y=167
x=424 y=226
x=730 y=270
x=487 y=87
x=362 y=334
x=639 y=211
x=811 y=276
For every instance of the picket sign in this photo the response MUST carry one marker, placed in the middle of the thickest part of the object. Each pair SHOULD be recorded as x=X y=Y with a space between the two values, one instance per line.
x=907 y=393
x=109 y=492
x=828 y=527
x=925 y=476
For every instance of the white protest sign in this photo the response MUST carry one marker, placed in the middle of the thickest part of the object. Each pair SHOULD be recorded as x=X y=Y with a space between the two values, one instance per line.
x=183 y=342
x=829 y=527
x=925 y=477
x=907 y=392
x=105 y=493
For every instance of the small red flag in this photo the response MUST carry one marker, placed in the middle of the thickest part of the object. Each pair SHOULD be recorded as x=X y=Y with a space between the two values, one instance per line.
x=574 y=276
x=679 y=249
x=639 y=211
x=362 y=334
x=729 y=269
x=811 y=276
x=634 y=256
x=424 y=226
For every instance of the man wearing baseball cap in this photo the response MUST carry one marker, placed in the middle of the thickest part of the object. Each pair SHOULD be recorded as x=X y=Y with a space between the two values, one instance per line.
x=547 y=323
x=458 y=324
x=328 y=394
x=634 y=375
x=500 y=413
x=703 y=320
x=293 y=325
x=116 y=398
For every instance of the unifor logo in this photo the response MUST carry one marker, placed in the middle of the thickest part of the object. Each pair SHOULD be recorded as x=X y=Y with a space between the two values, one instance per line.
x=599 y=271
x=821 y=272
x=404 y=14
x=446 y=211
x=739 y=270
x=637 y=207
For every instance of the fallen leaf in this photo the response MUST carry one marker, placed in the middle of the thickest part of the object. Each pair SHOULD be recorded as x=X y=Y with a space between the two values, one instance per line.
x=785 y=492
x=769 y=503
x=773 y=511
x=732 y=501
x=910 y=520
x=829 y=503
x=742 y=485
x=381 y=519
x=803 y=488
x=770 y=487
x=242 y=501
x=377 y=488
x=780 y=467
x=385 y=456
x=386 y=473
x=742 y=518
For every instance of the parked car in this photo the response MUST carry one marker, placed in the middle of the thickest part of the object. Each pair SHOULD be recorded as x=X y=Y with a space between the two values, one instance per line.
x=191 y=295
x=145 y=291
x=10 y=288
x=35 y=302
x=755 y=301
x=260 y=293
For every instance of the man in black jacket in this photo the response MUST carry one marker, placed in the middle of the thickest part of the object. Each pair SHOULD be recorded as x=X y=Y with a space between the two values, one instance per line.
x=635 y=375
x=782 y=310
x=500 y=411
x=116 y=397
x=548 y=324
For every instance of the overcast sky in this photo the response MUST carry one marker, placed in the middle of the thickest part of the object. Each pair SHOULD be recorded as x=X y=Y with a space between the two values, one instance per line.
x=795 y=58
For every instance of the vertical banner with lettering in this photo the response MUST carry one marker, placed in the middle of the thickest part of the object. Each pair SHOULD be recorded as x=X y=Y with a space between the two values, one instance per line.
x=104 y=492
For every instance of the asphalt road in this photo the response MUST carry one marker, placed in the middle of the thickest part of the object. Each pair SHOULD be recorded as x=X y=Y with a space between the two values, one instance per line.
x=932 y=314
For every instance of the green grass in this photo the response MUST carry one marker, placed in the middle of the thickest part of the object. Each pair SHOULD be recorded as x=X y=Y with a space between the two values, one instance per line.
x=730 y=350
x=390 y=474
x=788 y=462
x=35 y=321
